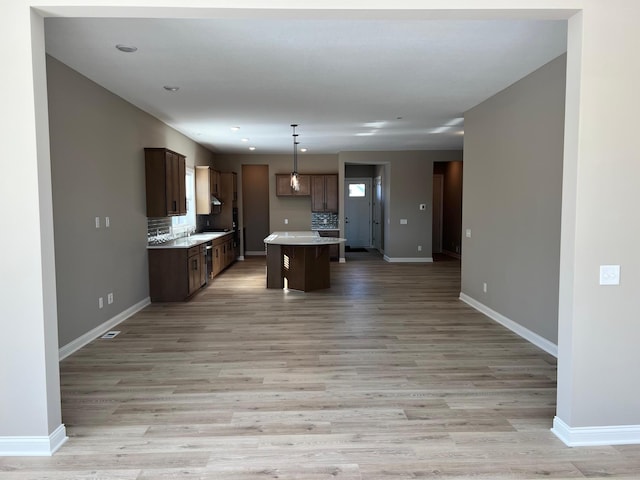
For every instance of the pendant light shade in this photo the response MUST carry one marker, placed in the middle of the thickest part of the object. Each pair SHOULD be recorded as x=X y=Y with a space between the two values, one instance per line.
x=295 y=181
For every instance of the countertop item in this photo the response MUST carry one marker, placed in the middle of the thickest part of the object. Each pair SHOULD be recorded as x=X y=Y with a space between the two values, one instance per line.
x=311 y=238
x=191 y=241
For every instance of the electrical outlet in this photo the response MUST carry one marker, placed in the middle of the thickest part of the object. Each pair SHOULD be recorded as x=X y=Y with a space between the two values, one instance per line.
x=419 y=248
x=110 y=298
x=97 y=222
x=100 y=302
x=468 y=233
x=286 y=221
x=609 y=274
x=403 y=221
x=107 y=222
x=484 y=287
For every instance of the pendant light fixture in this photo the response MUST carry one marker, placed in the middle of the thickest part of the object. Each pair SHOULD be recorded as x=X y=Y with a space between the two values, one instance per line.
x=295 y=181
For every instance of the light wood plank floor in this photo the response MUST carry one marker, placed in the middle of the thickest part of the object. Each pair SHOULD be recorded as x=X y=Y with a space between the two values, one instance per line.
x=386 y=375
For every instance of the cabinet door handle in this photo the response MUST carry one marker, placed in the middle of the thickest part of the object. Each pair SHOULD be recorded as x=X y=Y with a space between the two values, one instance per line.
x=174 y=205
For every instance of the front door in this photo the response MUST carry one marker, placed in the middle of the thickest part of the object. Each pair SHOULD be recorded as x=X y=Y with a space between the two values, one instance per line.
x=377 y=214
x=357 y=215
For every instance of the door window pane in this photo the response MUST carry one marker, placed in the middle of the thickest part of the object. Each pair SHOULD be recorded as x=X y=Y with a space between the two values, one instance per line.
x=357 y=190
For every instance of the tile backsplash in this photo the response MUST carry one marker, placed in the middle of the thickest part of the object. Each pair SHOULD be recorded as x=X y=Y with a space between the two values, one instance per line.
x=320 y=220
x=160 y=230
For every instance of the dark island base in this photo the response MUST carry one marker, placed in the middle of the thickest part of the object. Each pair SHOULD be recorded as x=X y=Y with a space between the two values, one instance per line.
x=306 y=267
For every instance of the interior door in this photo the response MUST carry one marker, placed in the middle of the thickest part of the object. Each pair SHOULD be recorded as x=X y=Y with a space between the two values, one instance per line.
x=357 y=214
x=255 y=202
x=438 y=192
x=377 y=214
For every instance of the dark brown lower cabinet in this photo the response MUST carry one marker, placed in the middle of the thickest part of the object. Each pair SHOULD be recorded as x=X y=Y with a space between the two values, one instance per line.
x=176 y=273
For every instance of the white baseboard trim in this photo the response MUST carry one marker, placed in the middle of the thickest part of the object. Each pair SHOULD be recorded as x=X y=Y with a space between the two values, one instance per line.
x=33 y=446
x=408 y=259
x=91 y=335
x=595 y=436
x=256 y=253
x=537 y=340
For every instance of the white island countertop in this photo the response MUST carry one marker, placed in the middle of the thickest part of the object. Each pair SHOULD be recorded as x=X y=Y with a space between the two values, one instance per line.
x=301 y=238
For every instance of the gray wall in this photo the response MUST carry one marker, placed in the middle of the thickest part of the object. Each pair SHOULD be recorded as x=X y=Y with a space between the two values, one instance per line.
x=513 y=151
x=297 y=210
x=97 y=162
x=359 y=171
x=408 y=182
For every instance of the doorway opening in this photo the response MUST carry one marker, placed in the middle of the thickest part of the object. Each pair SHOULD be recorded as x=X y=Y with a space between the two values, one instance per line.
x=447 y=210
x=255 y=203
x=364 y=211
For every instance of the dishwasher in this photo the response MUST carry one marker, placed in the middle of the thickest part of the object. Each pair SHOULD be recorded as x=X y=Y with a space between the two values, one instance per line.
x=209 y=259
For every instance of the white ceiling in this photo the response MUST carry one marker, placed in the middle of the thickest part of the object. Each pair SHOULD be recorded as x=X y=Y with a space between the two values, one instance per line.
x=350 y=84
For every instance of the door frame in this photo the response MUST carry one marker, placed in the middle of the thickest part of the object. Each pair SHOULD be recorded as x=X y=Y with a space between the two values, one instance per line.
x=438 y=213
x=378 y=214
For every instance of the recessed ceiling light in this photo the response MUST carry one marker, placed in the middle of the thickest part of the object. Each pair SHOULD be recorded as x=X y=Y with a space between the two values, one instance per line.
x=252 y=148
x=244 y=140
x=126 y=48
x=235 y=129
x=170 y=88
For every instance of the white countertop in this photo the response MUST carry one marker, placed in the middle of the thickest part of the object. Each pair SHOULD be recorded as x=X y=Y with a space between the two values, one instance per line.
x=309 y=237
x=191 y=241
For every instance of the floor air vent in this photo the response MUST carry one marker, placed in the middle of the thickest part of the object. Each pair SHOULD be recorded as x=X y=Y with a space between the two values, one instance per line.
x=110 y=334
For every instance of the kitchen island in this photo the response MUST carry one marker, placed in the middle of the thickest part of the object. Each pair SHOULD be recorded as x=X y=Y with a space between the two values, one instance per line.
x=301 y=257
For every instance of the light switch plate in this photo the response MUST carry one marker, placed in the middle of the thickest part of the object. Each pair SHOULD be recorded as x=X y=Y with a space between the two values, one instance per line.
x=468 y=233
x=609 y=274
